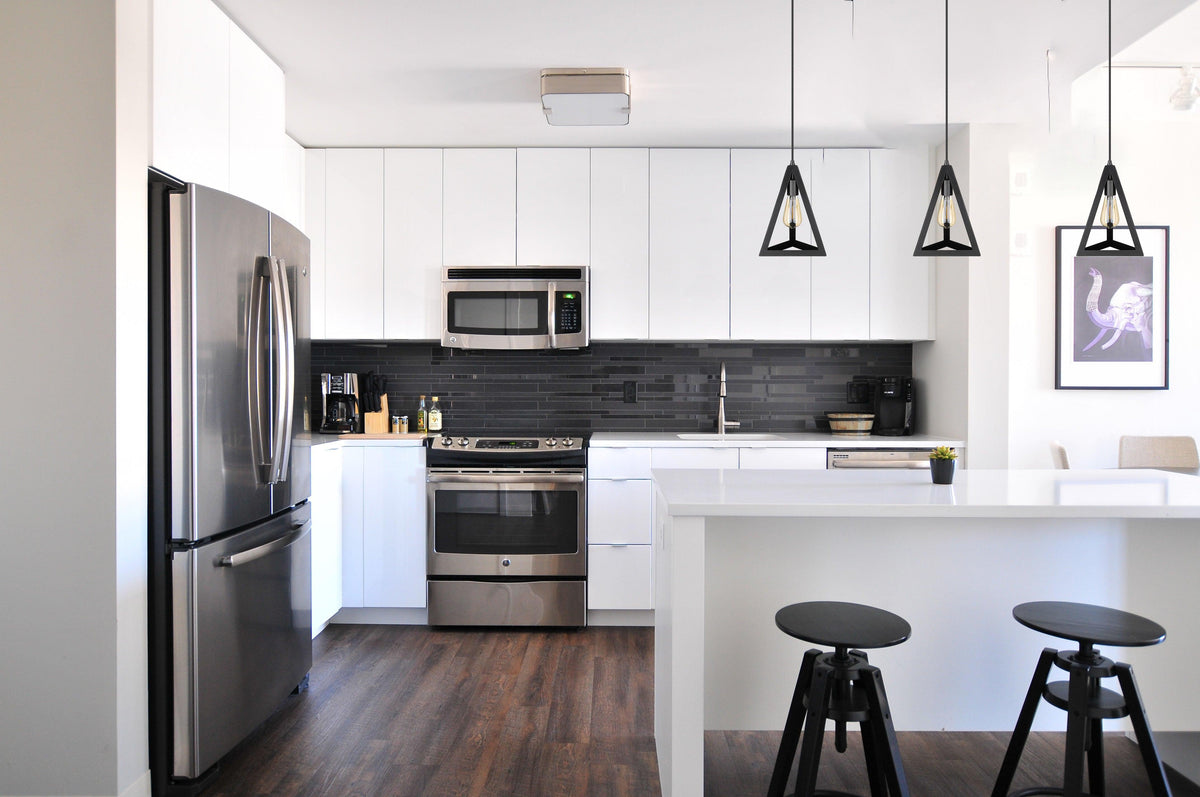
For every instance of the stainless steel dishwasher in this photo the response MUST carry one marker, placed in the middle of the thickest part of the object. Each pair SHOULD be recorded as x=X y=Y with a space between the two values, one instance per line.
x=876 y=458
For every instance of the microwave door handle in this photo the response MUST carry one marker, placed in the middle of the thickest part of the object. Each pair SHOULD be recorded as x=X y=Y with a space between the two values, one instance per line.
x=256 y=391
x=551 y=315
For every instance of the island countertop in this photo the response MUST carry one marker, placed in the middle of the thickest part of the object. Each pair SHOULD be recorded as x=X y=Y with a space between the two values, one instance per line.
x=979 y=493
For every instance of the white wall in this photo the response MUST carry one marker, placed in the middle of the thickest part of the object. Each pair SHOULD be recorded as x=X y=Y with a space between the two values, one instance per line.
x=73 y=240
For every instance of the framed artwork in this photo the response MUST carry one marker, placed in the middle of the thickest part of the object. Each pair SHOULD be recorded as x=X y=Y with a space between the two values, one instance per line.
x=1111 y=315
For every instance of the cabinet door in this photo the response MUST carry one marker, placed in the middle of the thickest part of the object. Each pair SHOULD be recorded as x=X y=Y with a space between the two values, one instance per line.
x=326 y=534
x=620 y=240
x=191 y=91
x=620 y=511
x=768 y=296
x=352 y=527
x=256 y=125
x=314 y=228
x=841 y=281
x=354 y=243
x=686 y=457
x=552 y=207
x=620 y=577
x=479 y=207
x=901 y=285
x=394 y=527
x=689 y=244
x=412 y=244
x=781 y=459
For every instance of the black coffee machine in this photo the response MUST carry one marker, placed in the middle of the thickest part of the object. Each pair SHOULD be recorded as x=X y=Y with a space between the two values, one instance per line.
x=339 y=403
x=891 y=399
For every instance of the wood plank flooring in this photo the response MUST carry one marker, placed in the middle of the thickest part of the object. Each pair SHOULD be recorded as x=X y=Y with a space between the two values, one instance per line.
x=405 y=711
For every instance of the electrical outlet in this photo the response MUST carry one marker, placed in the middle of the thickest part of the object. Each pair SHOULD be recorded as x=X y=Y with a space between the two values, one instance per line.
x=630 y=392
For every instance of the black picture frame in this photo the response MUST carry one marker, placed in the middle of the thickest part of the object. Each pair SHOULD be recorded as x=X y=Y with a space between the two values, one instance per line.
x=1125 y=346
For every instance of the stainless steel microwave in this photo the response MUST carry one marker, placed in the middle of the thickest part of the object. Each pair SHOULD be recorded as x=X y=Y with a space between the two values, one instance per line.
x=515 y=307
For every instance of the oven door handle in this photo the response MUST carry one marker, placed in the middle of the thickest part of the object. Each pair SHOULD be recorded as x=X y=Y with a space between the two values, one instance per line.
x=505 y=478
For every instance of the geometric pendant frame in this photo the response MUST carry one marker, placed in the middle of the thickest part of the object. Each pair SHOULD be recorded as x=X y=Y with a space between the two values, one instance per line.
x=1109 y=246
x=792 y=247
x=947 y=247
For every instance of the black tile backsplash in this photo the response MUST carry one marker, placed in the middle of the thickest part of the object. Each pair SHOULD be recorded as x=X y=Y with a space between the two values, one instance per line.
x=772 y=387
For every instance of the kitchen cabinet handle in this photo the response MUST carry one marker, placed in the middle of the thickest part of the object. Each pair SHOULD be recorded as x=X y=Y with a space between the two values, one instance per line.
x=245 y=557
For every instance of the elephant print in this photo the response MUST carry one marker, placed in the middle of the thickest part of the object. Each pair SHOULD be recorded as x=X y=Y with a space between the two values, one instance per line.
x=1115 y=320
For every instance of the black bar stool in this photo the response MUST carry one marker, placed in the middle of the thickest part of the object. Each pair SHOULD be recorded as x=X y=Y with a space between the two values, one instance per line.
x=843 y=687
x=1086 y=702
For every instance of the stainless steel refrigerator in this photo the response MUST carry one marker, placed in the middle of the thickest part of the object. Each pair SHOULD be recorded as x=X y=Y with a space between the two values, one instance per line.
x=229 y=550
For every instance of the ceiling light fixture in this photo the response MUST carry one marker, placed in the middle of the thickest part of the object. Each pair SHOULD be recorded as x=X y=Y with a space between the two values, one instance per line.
x=946 y=204
x=792 y=198
x=1110 y=194
x=1188 y=91
x=586 y=96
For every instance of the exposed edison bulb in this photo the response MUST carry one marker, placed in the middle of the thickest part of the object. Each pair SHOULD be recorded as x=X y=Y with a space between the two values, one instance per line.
x=947 y=214
x=793 y=213
x=1110 y=211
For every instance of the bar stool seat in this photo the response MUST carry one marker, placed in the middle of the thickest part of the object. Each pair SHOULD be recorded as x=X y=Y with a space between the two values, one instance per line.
x=1081 y=696
x=840 y=686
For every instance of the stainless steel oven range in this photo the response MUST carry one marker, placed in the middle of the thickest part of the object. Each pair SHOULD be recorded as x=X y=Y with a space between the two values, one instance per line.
x=506 y=541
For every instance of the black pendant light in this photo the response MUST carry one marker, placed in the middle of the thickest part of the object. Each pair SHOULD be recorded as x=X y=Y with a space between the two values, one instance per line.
x=1111 y=195
x=793 y=198
x=946 y=204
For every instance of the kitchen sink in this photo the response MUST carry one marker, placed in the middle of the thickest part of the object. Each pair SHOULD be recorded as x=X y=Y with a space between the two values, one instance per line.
x=727 y=436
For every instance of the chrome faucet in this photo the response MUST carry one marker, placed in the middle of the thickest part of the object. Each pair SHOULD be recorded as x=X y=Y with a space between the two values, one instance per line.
x=722 y=423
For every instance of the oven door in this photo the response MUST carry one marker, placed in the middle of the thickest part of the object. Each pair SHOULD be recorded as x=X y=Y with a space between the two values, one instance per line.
x=516 y=523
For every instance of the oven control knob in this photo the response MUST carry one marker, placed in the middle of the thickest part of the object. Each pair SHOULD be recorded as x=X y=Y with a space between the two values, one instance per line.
x=550 y=441
x=447 y=441
x=506 y=562
x=568 y=442
x=462 y=441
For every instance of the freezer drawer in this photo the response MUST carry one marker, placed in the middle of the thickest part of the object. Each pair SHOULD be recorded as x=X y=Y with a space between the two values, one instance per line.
x=242 y=635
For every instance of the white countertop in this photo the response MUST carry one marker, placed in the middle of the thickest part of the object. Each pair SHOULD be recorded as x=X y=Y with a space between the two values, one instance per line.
x=764 y=440
x=367 y=440
x=975 y=493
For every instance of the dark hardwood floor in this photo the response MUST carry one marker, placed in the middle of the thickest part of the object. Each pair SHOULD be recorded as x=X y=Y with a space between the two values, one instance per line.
x=406 y=711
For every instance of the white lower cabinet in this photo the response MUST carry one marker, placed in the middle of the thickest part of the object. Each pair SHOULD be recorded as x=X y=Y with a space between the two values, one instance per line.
x=620 y=515
x=781 y=459
x=326 y=534
x=383 y=526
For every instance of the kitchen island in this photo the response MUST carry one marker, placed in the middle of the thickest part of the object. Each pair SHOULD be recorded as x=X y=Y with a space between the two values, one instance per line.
x=732 y=547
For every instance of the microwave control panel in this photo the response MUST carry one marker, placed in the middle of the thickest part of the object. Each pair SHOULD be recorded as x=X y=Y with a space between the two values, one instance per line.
x=568 y=312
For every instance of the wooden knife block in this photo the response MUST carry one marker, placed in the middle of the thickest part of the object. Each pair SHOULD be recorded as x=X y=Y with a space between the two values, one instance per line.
x=377 y=422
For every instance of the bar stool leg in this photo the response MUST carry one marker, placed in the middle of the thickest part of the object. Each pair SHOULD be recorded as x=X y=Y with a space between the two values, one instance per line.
x=885 y=734
x=1141 y=729
x=792 y=727
x=814 y=730
x=1077 y=707
x=1095 y=758
x=875 y=763
x=1016 y=743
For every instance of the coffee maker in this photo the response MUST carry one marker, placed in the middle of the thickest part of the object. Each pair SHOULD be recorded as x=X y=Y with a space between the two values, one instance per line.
x=339 y=403
x=893 y=406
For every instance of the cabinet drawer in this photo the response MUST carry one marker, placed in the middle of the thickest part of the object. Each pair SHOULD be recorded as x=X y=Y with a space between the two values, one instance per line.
x=695 y=458
x=619 y=512
x=620 y=577
x=618 y=463
x=782 y=458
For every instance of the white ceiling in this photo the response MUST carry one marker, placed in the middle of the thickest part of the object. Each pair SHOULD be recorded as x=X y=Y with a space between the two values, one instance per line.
x=703 y=73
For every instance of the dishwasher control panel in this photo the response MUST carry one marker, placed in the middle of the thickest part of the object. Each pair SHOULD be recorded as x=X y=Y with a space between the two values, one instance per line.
x=876 y=458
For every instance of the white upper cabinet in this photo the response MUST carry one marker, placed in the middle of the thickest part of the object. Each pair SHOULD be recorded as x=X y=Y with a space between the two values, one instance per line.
x=354 y=243
x=256 y=123
x=479 y=207
x=620 y=243
x=552 y=207
x=412 y=244
x=314 y=228
x=689 y=244
x=901 y=285
x=768 y=296
x=191 y=91
x=841 y=281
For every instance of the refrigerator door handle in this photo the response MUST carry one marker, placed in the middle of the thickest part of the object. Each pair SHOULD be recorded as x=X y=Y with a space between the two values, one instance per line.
x=285 y=397
x=257 y=380
x=277 y=544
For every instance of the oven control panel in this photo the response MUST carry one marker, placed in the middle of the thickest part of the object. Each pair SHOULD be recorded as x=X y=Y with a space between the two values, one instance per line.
x=501 y=444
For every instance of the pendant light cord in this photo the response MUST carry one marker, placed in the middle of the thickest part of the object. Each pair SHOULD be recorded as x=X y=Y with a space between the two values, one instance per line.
x=1110 y=82
x=792 y=95
x=947 y=52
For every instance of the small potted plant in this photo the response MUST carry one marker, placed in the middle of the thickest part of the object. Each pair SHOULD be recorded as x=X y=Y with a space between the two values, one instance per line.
x=941 y=464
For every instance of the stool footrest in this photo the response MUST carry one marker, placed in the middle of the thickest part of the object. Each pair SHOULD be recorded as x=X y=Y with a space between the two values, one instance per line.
x=1106 y=704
